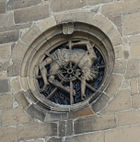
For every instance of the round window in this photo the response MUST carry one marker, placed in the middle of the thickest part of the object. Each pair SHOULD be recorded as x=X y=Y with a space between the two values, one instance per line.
x=69 y=66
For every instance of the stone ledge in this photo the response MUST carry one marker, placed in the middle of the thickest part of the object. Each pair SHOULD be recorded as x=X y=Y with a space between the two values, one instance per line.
x=94 y=123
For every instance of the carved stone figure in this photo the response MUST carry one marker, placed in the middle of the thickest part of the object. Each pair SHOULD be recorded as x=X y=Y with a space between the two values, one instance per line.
x=60 y=58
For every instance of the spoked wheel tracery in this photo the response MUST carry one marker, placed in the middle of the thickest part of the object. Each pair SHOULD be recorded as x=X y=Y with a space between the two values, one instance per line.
x=71 y=72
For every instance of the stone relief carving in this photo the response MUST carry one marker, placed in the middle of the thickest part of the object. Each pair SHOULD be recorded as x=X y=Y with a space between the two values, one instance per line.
x=69 y=64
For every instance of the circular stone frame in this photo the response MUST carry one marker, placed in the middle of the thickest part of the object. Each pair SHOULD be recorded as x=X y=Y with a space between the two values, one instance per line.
x=54 y=37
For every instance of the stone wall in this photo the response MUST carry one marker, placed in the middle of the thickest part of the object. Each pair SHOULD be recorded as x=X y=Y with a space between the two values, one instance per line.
x=119 y=119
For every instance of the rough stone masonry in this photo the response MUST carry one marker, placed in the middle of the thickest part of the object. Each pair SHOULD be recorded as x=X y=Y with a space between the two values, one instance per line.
x=119 y=119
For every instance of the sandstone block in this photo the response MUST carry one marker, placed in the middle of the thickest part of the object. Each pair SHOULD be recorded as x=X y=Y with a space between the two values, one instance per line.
x=131 y=6
x=15 y=84
x=120 y=102
x=127 y=134
x=65 y=128
x=54 y=140
x=55 y=116
x=118 y=52
x=7 y=19
x=36 y=130
x=136 y=101
x=114 y=85
x=4 y=86
x=29 y=37
x=134 y=86
x=16 y=4
x=120 y=67
x=14 y=69
x=9 y=36
x=35 y=113
x=128 y=117
x=100 y=104
x=21 y=99
x=46 y=23
x=132 y=69
x=2 y=6
x=94 y=123
x=112 y=10
x=80 y=113
x=6 y=101
x=63 y=5
x=8 y=135
x=92 y=2
x=131 y=25
x=14 y=117
x=36 y=13
x=97 y=137
x=135 y=50
x=5 y=52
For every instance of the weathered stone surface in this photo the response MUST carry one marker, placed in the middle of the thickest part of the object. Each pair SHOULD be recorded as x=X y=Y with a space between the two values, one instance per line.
x=21 y=99
x=8 y=135
x=114 y=85
x=134 y=45
x=65 y=128
x=2 y=6
x=94 y=2
x=4 y=66
x=120 y=102
x=97 y=137
x=113 y=9
x=54 y=116
x=131 y=6
x=132 y=69
x=14 y=69
x=35 y=113
x=118 y=52
x=80 y=113
x=100 y=104
x=136 y=101
x=130 y=25
x=5 y=52
x=69 y=128
x=117 y=20
x=134 y=86
x=16 y=27
x=126 y=54
x=46 y=23
x=135 y=51
x=36 y=130
x=54 y=140
x=139 y=84
x=0 y=120
x=6 y=101
x=37 y=141
x=15 y=4
x=63 y=5
x=29 y=37
x=4 y=86
x=9 y=36
x=36 y=13
x=125 y=84
x=18 y=51
x=120 y=67
x=15 y=84
x=14 y=117
x=115 y=37
x=7 y=19
x=94 y=123
x=127 y=134
x=128 y=117
x=62 y=127
x=134 y=39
